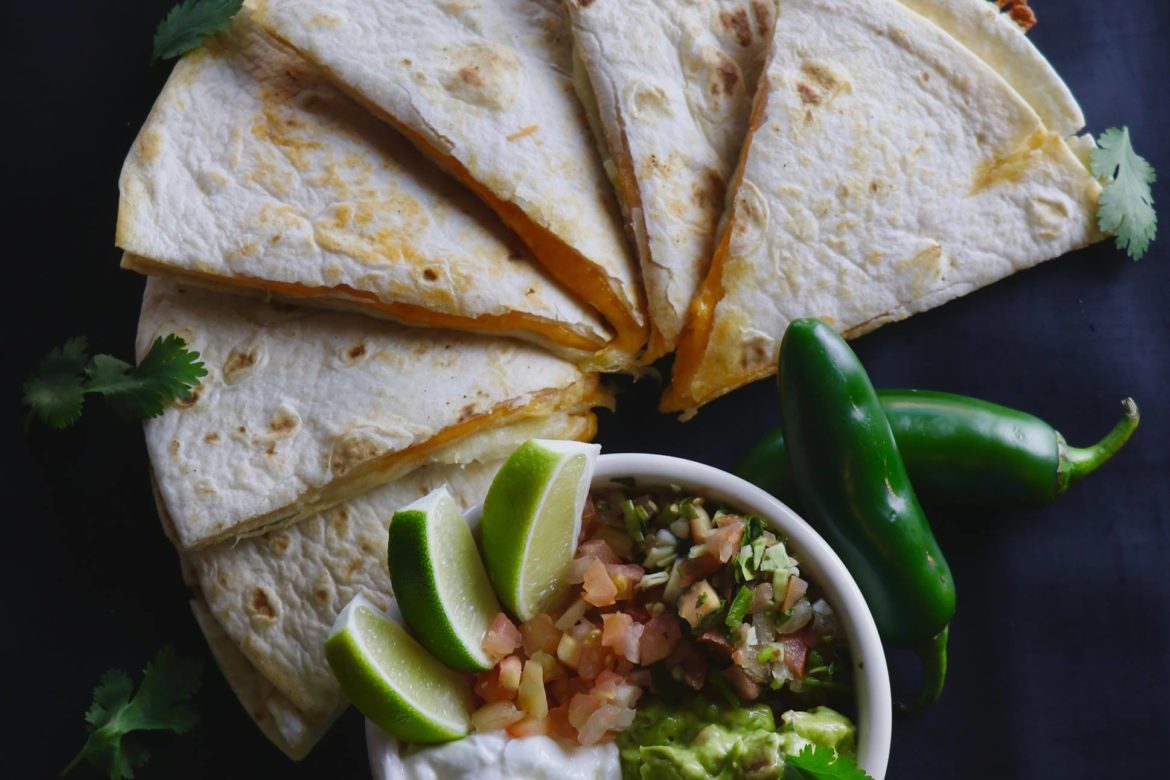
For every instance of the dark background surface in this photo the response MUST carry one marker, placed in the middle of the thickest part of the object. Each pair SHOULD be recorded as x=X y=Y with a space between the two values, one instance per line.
x=1060 y=654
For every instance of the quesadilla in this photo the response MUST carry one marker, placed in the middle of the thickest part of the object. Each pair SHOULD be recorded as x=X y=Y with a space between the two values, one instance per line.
x=998 y=40
x=254 y=173
x=888 y=170
x=304 y=408
x=673 y=93
x=485 y=90
x=266 y=604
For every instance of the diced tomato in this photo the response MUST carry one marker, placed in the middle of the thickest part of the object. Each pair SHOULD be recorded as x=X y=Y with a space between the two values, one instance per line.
x=637 y=611
x=691 y=663
x=694 y=569
x=558 y=719
x=502 y=637
x=530 y=727
x=598 y=549
x=724 y=542
x=488 y=688
x=540 y=634
x=623 y=635
x=575 y=574
x=614 y=627
x=795 y=654
x=582 y=706
x=593 y=660
x=599 y=588
x=618 y=539
x=606 y=718
x=728 y=519
x=625 y=576
x=659 y=638
x=761 y=597
x=614 y=688
x=743 y=684
x=716 y=644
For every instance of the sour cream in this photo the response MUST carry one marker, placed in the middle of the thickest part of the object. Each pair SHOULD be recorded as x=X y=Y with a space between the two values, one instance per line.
x=493 y=755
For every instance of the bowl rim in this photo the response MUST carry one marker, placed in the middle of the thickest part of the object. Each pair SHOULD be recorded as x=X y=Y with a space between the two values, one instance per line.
x=817 y=558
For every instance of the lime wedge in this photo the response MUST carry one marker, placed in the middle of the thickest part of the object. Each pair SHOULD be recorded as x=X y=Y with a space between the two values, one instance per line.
x=531 y=518
x=393 y=681
x=440 y=583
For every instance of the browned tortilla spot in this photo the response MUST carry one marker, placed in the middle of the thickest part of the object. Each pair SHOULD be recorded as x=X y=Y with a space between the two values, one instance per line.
x=737 y=23
x=278 y=543
x=709 y=194
x=261 y=605
x=808 y=94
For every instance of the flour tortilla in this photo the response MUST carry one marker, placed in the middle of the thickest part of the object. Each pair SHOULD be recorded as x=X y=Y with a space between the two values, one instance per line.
x=673 y=93
x=304 y=408
x=992 y=36
x=294 y=732
x=888 y=170
x=485 y=89
x=254 y=173
x=266 y=604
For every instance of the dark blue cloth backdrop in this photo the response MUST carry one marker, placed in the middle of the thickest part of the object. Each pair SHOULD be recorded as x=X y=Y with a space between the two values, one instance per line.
x=1060 y=659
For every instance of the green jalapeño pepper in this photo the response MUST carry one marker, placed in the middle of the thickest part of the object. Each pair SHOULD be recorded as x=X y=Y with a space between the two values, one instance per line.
x=855 y=491
x=961 y=450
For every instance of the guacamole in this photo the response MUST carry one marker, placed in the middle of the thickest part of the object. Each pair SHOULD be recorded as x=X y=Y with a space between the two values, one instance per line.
x=704 y=740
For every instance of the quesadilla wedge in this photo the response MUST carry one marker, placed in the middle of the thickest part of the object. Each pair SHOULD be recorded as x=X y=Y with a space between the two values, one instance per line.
x=994 y=37
x=304 y=408
x=888 y=170
x=292 y=731
x=254 y=173
x=673 y=94
x=485 y=90
x=267 y=603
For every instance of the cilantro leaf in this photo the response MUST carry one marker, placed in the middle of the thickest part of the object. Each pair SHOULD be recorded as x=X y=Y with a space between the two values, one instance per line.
x=54 y=391
x=189 y=24
x=63 y=379
x=1126 y=207
x=817 y=762
x=161 y=704
x=167 y=372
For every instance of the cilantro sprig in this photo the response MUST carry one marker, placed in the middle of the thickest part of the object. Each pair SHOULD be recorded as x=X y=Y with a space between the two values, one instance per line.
x=56 y=393
x=817 y=762
x=1126 y=206
x=189 y=24
x=162 y=703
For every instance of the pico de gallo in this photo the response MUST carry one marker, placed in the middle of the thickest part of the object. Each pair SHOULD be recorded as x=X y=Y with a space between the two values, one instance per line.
x=669 y=592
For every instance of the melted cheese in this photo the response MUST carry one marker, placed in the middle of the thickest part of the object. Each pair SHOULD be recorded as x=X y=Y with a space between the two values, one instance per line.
x=696 y=333
x=514 y=323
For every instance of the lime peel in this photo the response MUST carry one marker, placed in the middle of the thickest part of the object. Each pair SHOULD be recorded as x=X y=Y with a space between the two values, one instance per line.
x=442 y=587
x=393 y=680
x=531 y=520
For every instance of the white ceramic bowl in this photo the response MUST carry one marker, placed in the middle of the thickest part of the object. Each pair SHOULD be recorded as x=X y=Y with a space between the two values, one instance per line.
x=818 y=563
